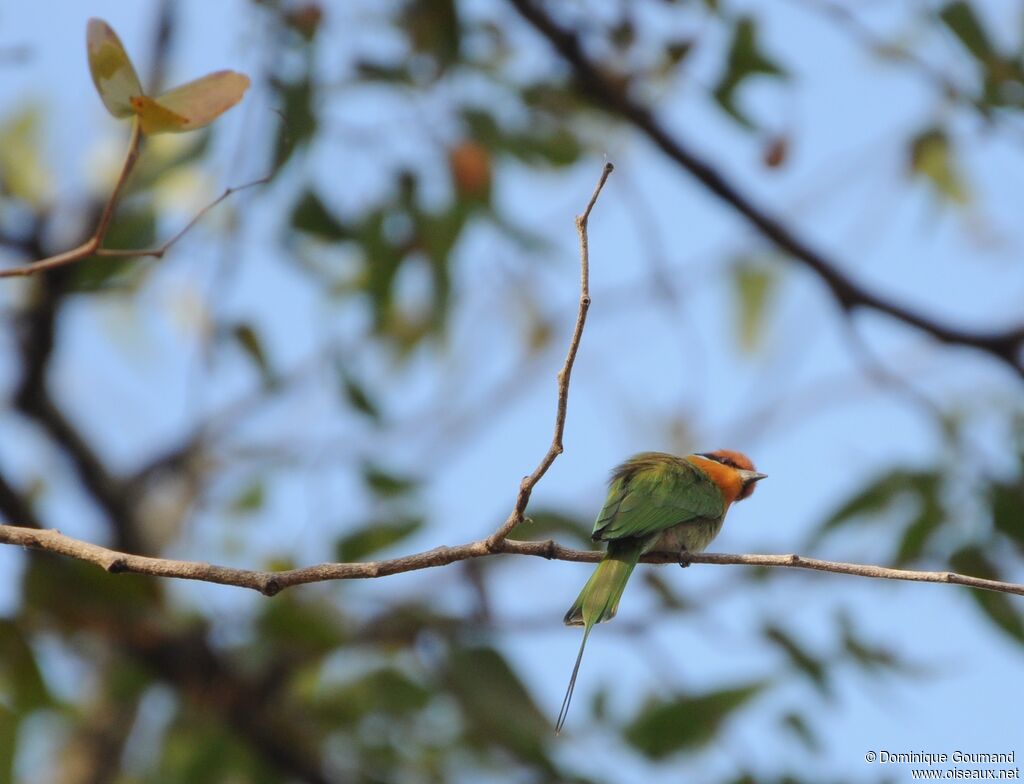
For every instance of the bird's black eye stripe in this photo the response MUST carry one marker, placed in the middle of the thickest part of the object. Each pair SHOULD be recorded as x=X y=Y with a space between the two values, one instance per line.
x=719 y=459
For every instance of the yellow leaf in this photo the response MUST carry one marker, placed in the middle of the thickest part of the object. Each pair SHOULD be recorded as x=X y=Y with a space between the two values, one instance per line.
x=155 y=118
x=192 y=105
x=111 y=68
x=22 y=173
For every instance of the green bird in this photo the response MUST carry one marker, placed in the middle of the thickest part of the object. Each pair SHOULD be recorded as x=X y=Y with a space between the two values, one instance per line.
x=656 y=503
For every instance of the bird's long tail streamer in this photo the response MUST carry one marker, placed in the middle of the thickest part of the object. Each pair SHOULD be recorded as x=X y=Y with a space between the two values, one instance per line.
x=572 y=682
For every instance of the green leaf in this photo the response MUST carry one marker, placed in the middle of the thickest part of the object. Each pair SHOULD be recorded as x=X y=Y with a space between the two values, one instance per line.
x=878 y=496
x=433 y=29
x=133 y=228
x=387 y=484
x=249 y=341
x=754 y=284
x=959 y=17
x=9 y=721
x=932 y=157
x=386 y=690
x=356 y=395
x=111 y=68
x=1007 y=504
x=744 y=60
x=311 y=216
x=304 y=626
x=378 y=535
x=800 y=727
x=921 y=528
x=299 y=122
x=664 y=727
x=1001 y=609
x=798 y=656
x=249 y=499
x=546 y=524
x=497 y=708
x=21 y=681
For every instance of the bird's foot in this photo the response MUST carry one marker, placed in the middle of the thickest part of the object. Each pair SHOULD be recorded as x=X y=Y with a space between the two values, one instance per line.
x=684 y=558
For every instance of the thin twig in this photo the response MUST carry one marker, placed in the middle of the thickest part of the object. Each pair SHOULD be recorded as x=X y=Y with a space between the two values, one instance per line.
x=609 y=96
x=94 y=245
x=270 y=583
x=159 y=252
x=91 y=245
x=494 y=541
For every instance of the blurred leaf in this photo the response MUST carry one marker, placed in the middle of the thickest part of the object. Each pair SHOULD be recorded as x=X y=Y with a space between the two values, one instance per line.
x=667 y=597
x=99 y=598
x=929 y=518
x=545 y=523
x=249 y=499
x=356 y=395
x=470 y=166
x=776 y=151
x=1000 y=608
x=111 y=68
x=543 y=143
x=799 y=657
x=378 y=535
x=1007 y=504
x=9 y=721
x=433 y=29
x=21 y=681
x=386 y=690
x=498 y=709
x=959 y=17
x=386 y=484
x=754 y=285
x=311 y=216
x=932 y=157
x=22 y=173
x=312 y=627
x=198 y=750
x=133 y=228
x=879 y=494
x=744 y=60
x=299 y=122
x=798 y=725
x=869 y=657
x=246 y=337
x=663 y=727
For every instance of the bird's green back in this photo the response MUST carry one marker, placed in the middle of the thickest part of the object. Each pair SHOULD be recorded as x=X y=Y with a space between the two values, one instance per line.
x=654 y=491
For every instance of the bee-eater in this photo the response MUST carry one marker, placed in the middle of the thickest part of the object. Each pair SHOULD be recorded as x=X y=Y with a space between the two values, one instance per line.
x=656 y=503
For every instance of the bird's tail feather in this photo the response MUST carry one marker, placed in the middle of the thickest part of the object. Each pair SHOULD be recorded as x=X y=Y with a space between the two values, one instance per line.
x=599 y=599
x=597 y=602
x=564 y=710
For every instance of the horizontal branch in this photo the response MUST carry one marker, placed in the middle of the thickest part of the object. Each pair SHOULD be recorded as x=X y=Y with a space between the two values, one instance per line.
x=270 y=583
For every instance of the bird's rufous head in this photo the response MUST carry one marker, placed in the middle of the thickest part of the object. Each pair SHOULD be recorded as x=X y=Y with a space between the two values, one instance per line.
x=742 y=466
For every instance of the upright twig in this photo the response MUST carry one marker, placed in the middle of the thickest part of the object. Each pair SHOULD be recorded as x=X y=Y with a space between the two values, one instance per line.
x=529 y=482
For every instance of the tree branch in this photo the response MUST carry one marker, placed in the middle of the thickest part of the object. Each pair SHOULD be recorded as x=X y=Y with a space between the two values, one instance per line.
x=94 y=245
x=609 y=96
x=270 y=583
x=495 y=540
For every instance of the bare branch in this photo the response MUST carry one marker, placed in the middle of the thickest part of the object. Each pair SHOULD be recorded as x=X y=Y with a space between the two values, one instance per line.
x=610 y=96
x=270 y=583
x=493 y=543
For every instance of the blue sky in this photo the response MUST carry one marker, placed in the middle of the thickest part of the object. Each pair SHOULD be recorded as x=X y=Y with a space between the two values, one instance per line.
x=642 y=362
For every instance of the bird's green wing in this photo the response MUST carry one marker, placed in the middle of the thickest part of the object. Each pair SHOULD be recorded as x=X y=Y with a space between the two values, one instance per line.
x=652 y=492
